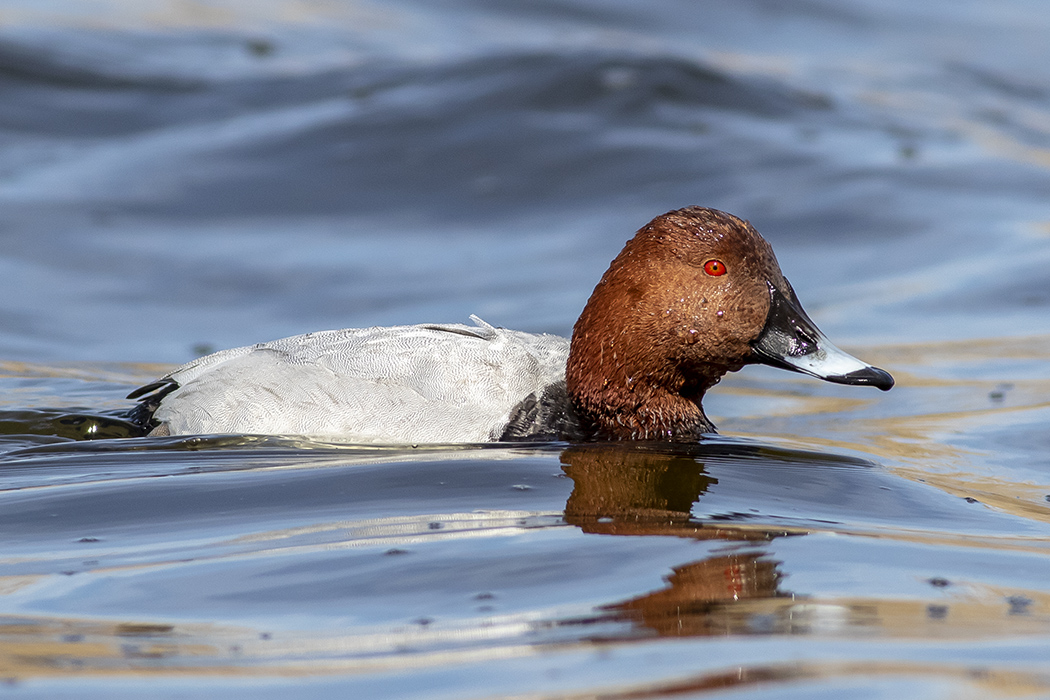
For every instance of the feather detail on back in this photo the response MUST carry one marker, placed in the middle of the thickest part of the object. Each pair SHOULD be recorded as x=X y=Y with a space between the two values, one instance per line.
x=426 y=383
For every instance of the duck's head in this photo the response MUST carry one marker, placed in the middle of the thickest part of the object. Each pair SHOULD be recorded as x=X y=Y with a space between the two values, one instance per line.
x=695 y=294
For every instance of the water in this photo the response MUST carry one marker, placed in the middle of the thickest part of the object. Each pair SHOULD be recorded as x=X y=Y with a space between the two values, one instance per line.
x=182 y=177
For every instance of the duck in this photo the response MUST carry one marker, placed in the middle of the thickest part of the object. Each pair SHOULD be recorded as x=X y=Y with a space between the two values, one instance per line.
x=695 y=294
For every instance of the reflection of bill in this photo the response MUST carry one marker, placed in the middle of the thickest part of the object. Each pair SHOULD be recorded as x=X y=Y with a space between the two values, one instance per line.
x=636 y=491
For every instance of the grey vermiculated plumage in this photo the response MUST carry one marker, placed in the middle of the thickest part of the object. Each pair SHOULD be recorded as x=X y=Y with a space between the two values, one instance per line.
x=424 y=383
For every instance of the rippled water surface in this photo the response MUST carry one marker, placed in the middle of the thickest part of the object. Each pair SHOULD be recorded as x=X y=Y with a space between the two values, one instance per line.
x=181 y=177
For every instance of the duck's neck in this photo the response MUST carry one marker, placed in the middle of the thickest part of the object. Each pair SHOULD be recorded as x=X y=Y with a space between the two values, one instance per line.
x=623 y=387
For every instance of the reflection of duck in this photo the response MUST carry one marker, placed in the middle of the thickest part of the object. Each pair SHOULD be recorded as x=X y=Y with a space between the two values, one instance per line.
x=631 y=491
x=650 y=489
x=698 y=595
x=695 y=294
x=646 y=490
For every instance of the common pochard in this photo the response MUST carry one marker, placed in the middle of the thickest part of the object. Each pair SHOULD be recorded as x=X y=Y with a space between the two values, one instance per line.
x=695 y=294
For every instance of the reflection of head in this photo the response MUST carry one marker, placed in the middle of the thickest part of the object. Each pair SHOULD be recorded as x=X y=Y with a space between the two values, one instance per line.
x=631 y=485
x=654 y=489
x=699 y=598
x=635 y=489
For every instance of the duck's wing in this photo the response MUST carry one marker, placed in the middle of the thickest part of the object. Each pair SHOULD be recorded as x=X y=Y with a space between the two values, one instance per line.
x=432 y=383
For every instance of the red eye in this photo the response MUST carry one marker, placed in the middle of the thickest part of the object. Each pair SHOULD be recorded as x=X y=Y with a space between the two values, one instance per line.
x=715 y=268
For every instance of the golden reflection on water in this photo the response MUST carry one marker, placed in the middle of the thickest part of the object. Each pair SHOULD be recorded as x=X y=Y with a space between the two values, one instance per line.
x=125 y=372
x=191 y=14
x=631 y=493
x=639 y=492
x=55 y=647
x=945 y=392
x=69 y=648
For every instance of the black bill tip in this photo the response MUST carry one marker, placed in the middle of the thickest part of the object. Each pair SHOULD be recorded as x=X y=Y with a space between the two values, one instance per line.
x=869 y=376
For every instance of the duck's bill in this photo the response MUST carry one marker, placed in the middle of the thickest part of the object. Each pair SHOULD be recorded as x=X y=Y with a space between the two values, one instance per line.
x=792 y=341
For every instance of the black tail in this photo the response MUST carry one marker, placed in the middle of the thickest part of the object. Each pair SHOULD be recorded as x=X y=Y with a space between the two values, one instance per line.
x=149 y=397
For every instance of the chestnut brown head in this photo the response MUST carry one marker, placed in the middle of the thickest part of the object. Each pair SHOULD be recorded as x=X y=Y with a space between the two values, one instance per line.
x=695 y=294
